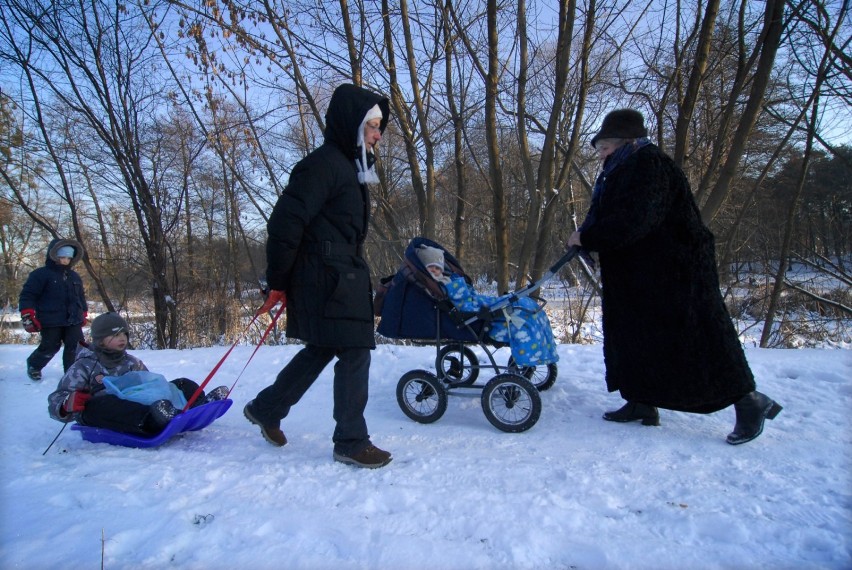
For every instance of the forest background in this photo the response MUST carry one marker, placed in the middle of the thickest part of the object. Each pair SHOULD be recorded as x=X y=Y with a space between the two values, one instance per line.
x=160 y=133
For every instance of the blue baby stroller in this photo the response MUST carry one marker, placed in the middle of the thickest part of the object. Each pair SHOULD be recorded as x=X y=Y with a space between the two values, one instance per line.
x=413 y=306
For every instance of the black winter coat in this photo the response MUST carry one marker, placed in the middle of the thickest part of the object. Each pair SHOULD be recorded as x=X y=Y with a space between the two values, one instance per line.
x=316 y=233
x=668 y=338
x=56 y=291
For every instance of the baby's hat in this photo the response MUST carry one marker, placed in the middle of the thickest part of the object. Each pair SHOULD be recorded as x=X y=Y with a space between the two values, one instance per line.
x=431 y=256
x=108 y=324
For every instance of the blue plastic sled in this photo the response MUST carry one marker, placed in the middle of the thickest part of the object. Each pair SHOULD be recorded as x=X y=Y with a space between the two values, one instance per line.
x=191 y=420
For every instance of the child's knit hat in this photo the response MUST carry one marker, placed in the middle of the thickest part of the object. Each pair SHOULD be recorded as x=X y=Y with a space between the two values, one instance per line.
x=108 y=324
x=430 y=256
x=65 y=251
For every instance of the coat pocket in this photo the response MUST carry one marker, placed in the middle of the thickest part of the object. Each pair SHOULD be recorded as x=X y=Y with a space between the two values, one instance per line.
x=351 y=293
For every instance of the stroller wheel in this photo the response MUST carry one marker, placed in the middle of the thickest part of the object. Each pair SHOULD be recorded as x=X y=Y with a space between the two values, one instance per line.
x=542 y=377
x=457 y=365
x=511 y=403
x=421 y=396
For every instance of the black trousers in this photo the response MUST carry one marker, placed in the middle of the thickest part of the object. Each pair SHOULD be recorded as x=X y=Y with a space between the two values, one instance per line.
x=52 y=338
x=116 y=414
x=351 y=387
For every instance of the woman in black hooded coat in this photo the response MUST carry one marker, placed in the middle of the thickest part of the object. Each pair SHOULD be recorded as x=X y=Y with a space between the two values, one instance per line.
x=315 y=266
x=668 y=338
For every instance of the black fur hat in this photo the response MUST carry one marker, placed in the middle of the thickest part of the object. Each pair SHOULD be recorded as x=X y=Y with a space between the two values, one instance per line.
x=622 y=124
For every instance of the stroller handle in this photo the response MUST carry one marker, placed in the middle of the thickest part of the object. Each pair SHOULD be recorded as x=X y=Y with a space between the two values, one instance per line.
x=570 y=254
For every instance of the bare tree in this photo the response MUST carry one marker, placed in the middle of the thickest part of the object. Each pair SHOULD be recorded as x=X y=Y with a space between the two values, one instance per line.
x=94 y=60
x=686 y=103
x=762 y=59
x=16 y=229
x=826 y=64
x=414 y=125
x=454 y=101
x=195 y=118
x=490 y=72
x=540 y=186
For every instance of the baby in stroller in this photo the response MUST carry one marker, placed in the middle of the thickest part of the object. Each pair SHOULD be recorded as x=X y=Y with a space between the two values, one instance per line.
x=524 y=326
x=431 y=300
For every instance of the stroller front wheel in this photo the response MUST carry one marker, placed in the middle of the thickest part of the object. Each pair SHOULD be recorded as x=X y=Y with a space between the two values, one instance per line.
x=457 y=365
x=511 y=403
x=421 y=396
x=542 y=378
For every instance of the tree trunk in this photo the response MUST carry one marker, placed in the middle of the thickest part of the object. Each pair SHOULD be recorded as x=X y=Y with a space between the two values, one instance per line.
x=406 y=124
x=686 y=106
x=544 y=255
x=784 y=254
x=492 y=139
x=459 y=221
x=770 y=39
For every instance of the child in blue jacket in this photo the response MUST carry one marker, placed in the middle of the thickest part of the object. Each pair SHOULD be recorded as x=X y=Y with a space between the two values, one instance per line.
x=53 y=303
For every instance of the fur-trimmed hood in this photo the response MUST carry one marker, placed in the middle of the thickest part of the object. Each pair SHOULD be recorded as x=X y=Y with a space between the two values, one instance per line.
x=53 y=260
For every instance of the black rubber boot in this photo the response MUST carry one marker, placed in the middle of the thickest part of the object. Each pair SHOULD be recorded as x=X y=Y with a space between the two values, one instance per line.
x=633 y=411
x=752 y=410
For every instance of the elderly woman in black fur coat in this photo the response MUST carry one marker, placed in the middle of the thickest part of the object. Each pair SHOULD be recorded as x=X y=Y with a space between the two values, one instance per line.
x=668 y=339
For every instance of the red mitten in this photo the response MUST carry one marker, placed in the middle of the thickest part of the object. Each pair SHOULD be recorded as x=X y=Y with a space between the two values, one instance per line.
x=29 y=320
x=85 y=318
x=273 y=297
x=76 y=402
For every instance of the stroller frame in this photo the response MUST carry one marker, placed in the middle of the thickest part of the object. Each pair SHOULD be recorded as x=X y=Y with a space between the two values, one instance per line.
x=510 y=399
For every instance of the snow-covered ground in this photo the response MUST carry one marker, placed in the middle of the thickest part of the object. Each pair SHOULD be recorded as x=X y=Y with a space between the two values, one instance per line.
x=573 y=492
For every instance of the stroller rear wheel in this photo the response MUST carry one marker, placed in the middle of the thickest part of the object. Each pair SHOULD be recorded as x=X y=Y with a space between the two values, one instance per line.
x=542 y=377
x=421 y=396
x=511 y=403
x=457 y=365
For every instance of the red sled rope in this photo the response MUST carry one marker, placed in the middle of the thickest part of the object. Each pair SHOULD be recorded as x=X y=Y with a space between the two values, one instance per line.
x=200 y=389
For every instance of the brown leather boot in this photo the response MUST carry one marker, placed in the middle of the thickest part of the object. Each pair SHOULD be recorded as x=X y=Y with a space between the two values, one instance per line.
x=271 y=433
x=370 y=457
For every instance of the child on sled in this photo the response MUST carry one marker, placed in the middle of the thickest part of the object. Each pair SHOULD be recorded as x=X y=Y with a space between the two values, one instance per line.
x=525 y=326
x=95 y=388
